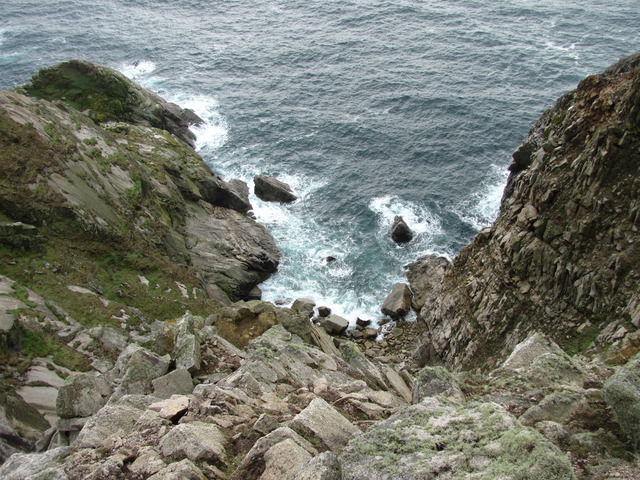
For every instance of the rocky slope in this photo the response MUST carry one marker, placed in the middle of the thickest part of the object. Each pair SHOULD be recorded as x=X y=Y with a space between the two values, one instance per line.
x=111 y=227
x=563 y=257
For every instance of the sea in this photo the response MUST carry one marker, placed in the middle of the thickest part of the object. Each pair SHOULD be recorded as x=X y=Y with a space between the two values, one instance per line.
x=367 y=109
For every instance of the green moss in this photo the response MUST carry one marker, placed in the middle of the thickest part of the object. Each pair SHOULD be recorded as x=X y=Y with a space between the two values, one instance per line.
x=37 y=343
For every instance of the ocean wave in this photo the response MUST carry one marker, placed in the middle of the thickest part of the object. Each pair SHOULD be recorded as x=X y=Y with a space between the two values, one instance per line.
x=481 y=208
x=417 y=217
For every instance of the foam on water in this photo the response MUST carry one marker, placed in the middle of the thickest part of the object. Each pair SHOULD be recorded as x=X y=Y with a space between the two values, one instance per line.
x=417 y=217
x=481 y=208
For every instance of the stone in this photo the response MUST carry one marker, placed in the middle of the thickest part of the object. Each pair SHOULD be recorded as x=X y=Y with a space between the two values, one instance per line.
x=283 y=460
x=325 y=466
x=622 y=394
x=182 y=470
x=266 y=424
x=171 y=408
x=142 y=367
x=304 y=306
x=324 y=423
x=398 y=302
x=270 y=189
x=397 y=383
x=36 y=466
x=400 y=231
x=295 y=322
x=195 y=441
x=335 y=324
x=20 y=235
x=435 y=381
x=188 y=353
x=324 y=311
x=82 y=395
x=111 y=420
x=437 y=437
x=370 y=333
x=178 y=382
x=355 y=358
x=361 y=322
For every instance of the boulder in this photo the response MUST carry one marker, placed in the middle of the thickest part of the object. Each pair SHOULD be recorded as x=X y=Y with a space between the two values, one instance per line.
x=82 y=395
x=355 y=358
x=321 y=467
x=304 y=306
x=622 y=394
x=195 y=441
x=324 y=311
x=398 y=302
x=111 y=420
x=283 y=460
x=188 y=354
x=270 y=189
x=177 y=382
x=325 y=424
x=40 y=466
x=183 y=470
x=295 y=322
x=142 y=367
x=437 y=437
x=335 y=324
x=400 y=231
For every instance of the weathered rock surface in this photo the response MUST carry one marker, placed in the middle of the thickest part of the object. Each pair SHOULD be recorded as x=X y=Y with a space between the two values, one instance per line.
x=271 y=189
x=562 y=257
x=398 y=302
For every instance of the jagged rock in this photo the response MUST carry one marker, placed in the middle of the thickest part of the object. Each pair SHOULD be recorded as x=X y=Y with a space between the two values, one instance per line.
x=324 y=423
x=172 y=408
x=354 y=357
x=270 y=189
x=148 y=462
x=41 y=466
x=183 y=470
x=295 y=322
x=283 y=460
x=178 y=382
x=398 y=302
x=266 y=424
x=304 y=306
x=558 y=406
x=82 y=395
x=435 y=381
x=196 y=441
x=325 y=466
x=398 y=384
x=335 y=324
x=188 y=354
x=324 y=311
x=425 y=277
x=323 y=340
x=142 y=368
x=400 y=231
x=253 y=463
x=622 y=394
x=436 y=437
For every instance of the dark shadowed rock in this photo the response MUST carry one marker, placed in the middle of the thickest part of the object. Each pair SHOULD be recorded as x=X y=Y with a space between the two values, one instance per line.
x=270 y=189
x=400 y=231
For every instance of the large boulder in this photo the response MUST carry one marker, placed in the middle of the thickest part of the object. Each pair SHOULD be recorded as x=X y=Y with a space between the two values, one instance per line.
x=435 y=381
x=82 y=395
x=400 y=231
x=195 y=441
x=335 y=324
x=438 y=437
x=398 y=302
x=270 y=189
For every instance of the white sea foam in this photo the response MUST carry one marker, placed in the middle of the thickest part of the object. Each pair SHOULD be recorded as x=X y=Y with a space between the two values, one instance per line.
x=482 y=207
x=417 y=217
x=138 y=71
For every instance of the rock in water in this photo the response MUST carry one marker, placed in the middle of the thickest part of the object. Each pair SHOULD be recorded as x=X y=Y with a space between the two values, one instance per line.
x=398 y=302
x=271 y=190
x=400 y=231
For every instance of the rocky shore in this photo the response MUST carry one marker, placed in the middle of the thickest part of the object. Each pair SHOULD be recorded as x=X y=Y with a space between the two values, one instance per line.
x=135 y=346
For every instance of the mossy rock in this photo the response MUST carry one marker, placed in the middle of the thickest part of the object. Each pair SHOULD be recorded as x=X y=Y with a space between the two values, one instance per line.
x=622 y=394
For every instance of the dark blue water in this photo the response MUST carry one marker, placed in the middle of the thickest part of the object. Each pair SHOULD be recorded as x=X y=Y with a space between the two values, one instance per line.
x=368 y=109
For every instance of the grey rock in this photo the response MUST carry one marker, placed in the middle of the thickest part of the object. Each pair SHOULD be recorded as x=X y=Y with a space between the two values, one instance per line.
x=324 y=311
x=142 y=367
x=398 y=302
x=437 y=437
x=622 y=394
x=270 y=189
x=325 y=466
x=82 y=395
x=188 y=353
x=304 y=306
x=177 y=382
x=355 y=358
x=397 y=383
x=435 y=381
x=196 y=441
x=110 y=420
x=324 y=423
x=295 y=322
x=400 y=231
x=266 y=424
x=182 y=470
x=335 y=324
x=36 y=466
x=283 y=460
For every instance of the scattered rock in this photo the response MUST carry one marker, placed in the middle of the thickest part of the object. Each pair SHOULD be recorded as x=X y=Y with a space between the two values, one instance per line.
x=622 y=394
x=82 y=395
x=335 y=324
x=304 y=306
x=435 y=381
x=196 y=441
x=177 y=382
x=324 y=311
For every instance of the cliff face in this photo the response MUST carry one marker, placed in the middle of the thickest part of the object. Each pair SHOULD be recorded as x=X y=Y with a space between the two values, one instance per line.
x=563 y=256
x=105 y=171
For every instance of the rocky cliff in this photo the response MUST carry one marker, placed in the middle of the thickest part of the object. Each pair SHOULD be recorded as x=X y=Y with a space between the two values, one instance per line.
x=563 y=257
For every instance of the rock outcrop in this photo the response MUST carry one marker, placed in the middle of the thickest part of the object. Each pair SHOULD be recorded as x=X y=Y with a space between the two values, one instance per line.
x=271 y=189
x=88 y=155
x=562 y=257
x=400 y=231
